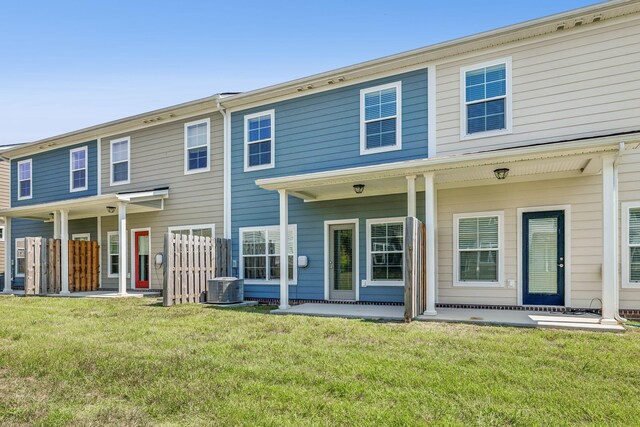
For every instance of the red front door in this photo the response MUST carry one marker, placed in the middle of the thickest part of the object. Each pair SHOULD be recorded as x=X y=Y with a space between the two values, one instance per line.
x=142 y=259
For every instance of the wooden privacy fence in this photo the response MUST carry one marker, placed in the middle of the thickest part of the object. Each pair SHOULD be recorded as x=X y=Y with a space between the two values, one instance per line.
x=43 y=271
x=190 y=261
x=415 y=280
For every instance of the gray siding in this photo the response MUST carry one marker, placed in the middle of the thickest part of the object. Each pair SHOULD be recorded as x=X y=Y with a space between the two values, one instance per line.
x=4 y=203
x=157 y=160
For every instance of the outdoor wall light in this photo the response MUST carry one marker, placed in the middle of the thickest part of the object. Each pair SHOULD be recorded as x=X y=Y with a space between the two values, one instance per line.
x=501 y=173
x=111 y=209
x=358 y=188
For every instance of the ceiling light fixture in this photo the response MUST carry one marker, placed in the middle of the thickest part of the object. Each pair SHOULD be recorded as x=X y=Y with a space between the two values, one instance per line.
x=501 y=173
x=358 y=188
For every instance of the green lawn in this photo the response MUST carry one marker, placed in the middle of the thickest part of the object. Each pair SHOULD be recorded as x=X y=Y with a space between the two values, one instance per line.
x=133 y=362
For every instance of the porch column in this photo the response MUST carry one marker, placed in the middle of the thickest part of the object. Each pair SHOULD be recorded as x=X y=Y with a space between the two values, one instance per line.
x=56 y=225
x=609 y=241
x=430 y=223
x=411 y=195
x=284 y=250
x=64 y=251
x=122 y=248
x=8 y=252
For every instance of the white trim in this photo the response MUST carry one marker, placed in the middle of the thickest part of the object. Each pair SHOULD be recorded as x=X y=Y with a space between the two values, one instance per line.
x=76 y=236
x=72 y=170
x=356 y=242
x=116 y=235
x=193 y=227
x=431 y=111
x=368 y=281
x=272 y=114
x=2 y=239
x=99 y=239
x=30 y=161
x=15 y=254
x=508 y=105
x=398 y=116
x=188 y=171
x=99 y=165
x=226 y=226
x=292 y=228
x=567 y=248
x=132 y=270
x=626 y=253
x=111 y=143
x=500 y=249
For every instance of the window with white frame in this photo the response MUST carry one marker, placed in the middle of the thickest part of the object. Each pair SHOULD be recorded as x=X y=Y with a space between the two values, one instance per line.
x=486 y=98
x=206 y=230
x=631 y=247
x=196 y=146
x=20 y=257
x=84 y=237
x=113 y=255
x=25 y=174
x=380 y=118
x=259 y=138
x=478 y=249
x=260 y=254
x=385 y=252
x=120 y=161
x=78 y=169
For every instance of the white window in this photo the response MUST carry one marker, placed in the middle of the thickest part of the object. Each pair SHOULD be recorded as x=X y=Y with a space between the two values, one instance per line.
x=120 y=161
x=113 y=260
x=631 y=245
x=385 y=252
x=1 y=233
x=196 y=146
x=381 y=118
x=84 y=237
x=259 y=140
x=21 y=265
x=78 y=169
x=478 y=253
x=260 y=255
x=485 y=99
x=25 y=181
x=206 y=230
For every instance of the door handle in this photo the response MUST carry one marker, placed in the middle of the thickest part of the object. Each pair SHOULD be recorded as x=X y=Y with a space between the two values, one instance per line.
x=561 y=265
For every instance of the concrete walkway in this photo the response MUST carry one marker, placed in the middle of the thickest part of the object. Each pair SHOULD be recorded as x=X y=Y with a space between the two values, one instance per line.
x=520 y=318
x=96 y=294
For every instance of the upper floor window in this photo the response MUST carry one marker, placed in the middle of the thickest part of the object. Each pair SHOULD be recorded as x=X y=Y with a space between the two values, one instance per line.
x=259 y=137
x=196 y=146
x=120 y=162
x=486 y=99
x=78 y=169
x=25 y=179
x=381 y=118
x=478 y=251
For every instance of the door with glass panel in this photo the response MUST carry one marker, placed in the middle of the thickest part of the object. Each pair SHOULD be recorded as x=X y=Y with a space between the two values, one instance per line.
x=342 y=273
x=543 y=258
x=142 y=259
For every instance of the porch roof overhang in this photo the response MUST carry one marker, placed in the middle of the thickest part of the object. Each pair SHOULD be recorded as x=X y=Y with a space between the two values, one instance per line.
x=93 y=206
x=530 y=163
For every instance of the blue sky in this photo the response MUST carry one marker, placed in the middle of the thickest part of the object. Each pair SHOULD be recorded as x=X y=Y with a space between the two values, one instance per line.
x=65 y=65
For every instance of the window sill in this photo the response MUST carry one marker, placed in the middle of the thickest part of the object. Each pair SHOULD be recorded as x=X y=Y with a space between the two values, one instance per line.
x=199 y=170
x=631 y=285
x=77 y=190
x=379 y=283
x=266 y=283
x=113 y=276
x=487 y=134
x=366 y=151
x=478 y=285
x=25 y=198
x=113 y=184
x=258 y=168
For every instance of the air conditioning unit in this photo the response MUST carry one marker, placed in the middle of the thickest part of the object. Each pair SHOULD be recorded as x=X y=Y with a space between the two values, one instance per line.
x=225 y=290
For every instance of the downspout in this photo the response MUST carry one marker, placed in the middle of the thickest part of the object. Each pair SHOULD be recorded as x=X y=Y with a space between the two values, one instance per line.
x=621 y=149
x=226 y=132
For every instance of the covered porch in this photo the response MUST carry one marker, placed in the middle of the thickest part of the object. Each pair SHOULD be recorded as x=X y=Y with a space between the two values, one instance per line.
x=59 y=214
x=593 y=159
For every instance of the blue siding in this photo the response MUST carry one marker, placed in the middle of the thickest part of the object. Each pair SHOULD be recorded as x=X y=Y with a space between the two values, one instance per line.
x=309 y=218
x=316 y=133
x=51 y=176
x=29 y=228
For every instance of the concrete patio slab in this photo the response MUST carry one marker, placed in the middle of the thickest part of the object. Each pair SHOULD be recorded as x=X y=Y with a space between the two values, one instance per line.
x=350 y=311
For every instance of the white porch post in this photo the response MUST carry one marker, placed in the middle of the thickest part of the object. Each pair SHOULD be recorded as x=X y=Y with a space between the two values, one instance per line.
x=122 y=245
x=430 y=216
x=411 y=195
x=56 y=225
x=64 y=251
x=8 y=252
x=284 y=250
x=609 y=241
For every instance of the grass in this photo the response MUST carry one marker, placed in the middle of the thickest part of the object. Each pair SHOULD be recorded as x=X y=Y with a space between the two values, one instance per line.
x=132 y=362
